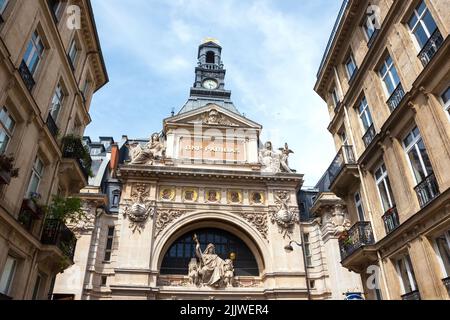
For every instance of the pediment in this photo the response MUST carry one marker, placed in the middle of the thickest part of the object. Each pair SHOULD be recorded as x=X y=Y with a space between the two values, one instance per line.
x=212 y=115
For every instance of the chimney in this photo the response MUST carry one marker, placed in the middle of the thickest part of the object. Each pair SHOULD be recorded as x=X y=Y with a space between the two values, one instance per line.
x=114 y=163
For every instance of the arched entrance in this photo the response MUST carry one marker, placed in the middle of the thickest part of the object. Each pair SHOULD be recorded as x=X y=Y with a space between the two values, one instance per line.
x=227 y=246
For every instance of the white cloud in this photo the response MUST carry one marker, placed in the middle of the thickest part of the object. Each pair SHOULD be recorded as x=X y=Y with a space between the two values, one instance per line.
x=271 y=53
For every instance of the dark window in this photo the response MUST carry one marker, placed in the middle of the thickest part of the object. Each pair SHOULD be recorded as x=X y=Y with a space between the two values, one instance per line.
x=210 y=57
x=177 y=258
x=109 y=244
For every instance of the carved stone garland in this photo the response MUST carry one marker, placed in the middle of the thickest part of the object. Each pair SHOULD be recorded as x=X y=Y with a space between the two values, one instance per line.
x=258 y=220
x=166 y=217
x=283 y=215
x=139 y=208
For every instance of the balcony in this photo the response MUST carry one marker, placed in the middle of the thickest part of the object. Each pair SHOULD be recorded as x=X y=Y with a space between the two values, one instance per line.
x=446 y=282
x=391 y=220
x=52 y=127
x=27 y=76
x=412 y=296
x=75 y=150
x=427 y=190
x=396 y=98
x=30 y=212
x=431 y=48
x=369 y=136
x=343 y=171
x=57 y=234
x=359 y=236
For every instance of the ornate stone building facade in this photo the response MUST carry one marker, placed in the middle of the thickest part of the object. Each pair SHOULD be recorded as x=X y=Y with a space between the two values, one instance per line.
x=385 y=77
x=51 y=65
x=200 y=210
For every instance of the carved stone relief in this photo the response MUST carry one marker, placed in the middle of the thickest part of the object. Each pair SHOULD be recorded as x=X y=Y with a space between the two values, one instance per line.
x=283 y=215
x=166 y=217
x=139 y=208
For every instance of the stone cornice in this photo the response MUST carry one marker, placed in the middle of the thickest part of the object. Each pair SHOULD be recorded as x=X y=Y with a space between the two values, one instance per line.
x=136 y=171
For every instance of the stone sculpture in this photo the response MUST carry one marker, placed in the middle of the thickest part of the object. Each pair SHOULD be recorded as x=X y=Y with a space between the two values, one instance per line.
x=154 y=150
x=274 y=162
x=211 y=270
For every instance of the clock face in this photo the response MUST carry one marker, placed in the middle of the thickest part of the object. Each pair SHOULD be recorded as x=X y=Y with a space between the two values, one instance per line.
x=210 y=84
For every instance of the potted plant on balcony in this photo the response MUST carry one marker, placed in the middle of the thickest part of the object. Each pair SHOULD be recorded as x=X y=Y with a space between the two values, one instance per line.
x=7 y=170
x=345 y=239
x=66 y=210
x=33 y=206
x=73 y=148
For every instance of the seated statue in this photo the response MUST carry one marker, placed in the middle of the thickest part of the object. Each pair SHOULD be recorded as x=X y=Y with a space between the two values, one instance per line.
x=154 y=150
x=211 y=265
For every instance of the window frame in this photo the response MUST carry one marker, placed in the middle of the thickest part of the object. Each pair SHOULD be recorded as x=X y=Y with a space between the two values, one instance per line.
x=335 y=97
x=9 y=132
x=34 y=42
x=407 y=263
x=359 y=204
x=384 y=180
x=420 y=22
x=11 y=276
x=439 y=254
x=109 y=248
x=388 y=74
x=308 y=252
x=4 y=6
x=59 y=88
x=73 y=48
x=36 y=173
x=351 y=59
x=366 y=112
x=414 y=145
x=446 y=104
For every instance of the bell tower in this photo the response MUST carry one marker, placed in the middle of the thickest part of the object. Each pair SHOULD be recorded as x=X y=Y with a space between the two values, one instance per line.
x=210 y=72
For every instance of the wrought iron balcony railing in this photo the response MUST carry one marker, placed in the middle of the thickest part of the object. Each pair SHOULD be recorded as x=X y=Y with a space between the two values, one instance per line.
x=396 y=98
x=360 y=235
x=427 y=190
x=415 y=295
x=446 y=282
x=52 y=126
x=344 y=157
x=369 y=136
x=26 y=76
x=391 y=220
x=57 y=234
x=431 y=47
x=74 y=149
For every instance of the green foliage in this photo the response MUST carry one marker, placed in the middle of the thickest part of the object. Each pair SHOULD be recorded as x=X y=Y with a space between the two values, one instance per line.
x=6 y=164
x=73 y=147
x=68 y=210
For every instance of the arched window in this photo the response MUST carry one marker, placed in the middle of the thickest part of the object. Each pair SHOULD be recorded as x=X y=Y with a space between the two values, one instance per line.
x=177 y=258
x=210 y=57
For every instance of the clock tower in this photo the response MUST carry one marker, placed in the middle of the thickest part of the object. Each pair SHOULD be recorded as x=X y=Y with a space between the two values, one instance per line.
x=209 y=85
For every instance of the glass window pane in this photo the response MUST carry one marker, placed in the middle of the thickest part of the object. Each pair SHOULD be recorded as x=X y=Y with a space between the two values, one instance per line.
x=429 y=23
x=446 y=96
x=404 y=276
x=425 y=157
x=7 y=275
x=4 y=140
x=414 y=159
x=421 y=36
x=444 y=252
x=384 y=197
x=421 y=8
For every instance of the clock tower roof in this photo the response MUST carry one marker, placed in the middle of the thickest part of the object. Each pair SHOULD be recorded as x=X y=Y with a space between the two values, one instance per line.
x=209 y=85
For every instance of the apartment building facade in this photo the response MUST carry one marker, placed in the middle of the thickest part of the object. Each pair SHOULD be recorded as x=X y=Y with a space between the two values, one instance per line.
x=385 y=77
x=51 y=65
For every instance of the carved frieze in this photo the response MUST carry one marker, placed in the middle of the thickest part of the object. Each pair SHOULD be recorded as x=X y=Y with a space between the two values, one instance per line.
x=166 y=217
x=139 y=208
x=257 y=219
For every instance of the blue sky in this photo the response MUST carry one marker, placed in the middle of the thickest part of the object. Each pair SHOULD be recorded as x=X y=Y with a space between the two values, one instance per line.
x=271 y=50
